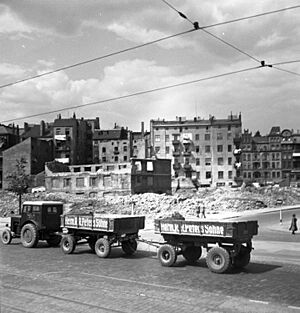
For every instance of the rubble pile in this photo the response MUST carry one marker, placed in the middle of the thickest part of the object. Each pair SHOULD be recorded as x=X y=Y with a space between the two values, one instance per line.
x=184 y=201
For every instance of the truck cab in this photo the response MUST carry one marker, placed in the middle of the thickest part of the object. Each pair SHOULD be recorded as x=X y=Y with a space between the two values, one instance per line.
x=39 y=220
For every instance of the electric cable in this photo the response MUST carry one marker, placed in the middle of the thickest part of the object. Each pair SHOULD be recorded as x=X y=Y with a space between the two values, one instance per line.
x=196 y=27
x=287 y=71
x=136 y=93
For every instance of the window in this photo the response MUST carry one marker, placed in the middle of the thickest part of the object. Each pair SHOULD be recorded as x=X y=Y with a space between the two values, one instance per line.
x=149 y=166
x=103 y=150
x=207 y=137
x=116 y=159
x=208 y=175
x=157 y=149
x=229 y=148
x=125 y=148
x=116 y=149
x=57 y=131
x=207 y=161
x=149 y=181
x=197 y=137
x=220 y=161
x=230 y=174
x=93 y=181
x=80 y=182
x=197 y=161
x=220 y=175
x=219 y=136
x=167 y=138
x=207 y=149
x=220 y=148
x=87 y=168
x=197 y=149
x=67 y=182
x=125 y=158
x=229 y=161
x=167 y=150
x=157 y=138
x=104 y=159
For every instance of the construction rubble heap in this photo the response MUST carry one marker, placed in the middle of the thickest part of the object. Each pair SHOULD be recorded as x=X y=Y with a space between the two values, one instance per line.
x=159 y=205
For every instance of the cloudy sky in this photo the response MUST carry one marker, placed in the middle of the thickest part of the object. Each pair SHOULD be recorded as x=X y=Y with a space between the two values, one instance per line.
x=37 y=36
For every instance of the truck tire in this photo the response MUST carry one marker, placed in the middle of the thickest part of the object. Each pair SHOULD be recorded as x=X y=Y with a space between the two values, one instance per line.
x=129 y=246
x=218 y=260
x=6 y=237
x=54 y=241
x=68 y=244
x=242 y=259
x=29 y=236
x=102 y=248
x=91 y=242
x=192 y=253
x=167 y=255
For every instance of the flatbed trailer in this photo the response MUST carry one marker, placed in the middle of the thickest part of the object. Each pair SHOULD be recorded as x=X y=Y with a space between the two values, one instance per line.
x=101 y=231
x=228 y=243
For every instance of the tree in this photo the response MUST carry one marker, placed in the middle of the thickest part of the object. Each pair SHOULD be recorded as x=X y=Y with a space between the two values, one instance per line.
x=19 y=181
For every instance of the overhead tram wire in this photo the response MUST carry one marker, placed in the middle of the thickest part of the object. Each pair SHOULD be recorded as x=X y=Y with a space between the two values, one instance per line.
x=263 y=63
x=287 y=71
x=136 y=93
x=156 y=41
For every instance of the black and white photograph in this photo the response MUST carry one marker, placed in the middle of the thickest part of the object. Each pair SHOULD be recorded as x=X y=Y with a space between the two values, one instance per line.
x=149 y=156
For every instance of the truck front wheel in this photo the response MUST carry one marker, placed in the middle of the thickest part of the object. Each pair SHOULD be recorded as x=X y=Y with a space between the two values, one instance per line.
x=68 y=244
x=218 y=260
x=167 y=255
x=129 y=246
x=6 y=237
x=102 y=248
x=192 y=253
x=29 y=236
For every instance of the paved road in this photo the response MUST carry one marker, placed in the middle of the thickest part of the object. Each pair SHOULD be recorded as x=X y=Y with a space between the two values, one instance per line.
x=46 y=280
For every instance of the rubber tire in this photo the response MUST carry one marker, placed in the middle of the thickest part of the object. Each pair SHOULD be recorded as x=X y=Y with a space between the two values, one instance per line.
x=54 y=241
x=91 y=242
x=68 y=244
x=242 y=259
x=129 y=246
x=29 y=230
x=218 y=260
x=102 y=248
x=167 y=255
x=6 y=237
x=192 y=253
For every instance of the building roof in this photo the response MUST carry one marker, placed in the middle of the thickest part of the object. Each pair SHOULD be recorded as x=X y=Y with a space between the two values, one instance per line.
x=275 y=130
x=112 y=134
x=5 y=130
x=65 y=122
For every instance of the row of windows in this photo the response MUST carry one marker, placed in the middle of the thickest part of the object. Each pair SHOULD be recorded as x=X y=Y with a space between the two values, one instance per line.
x=207 y=137
x=116 y=149
x=207 y=149
x=197 y=127
x=221 y=175
x=266 y=175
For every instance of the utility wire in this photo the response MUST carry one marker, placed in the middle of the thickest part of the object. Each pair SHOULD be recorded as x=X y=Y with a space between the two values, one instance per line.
x=287 y=71
x=196 y=27
x=137 y=93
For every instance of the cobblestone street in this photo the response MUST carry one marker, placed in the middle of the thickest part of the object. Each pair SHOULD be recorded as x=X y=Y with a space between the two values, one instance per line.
x=46 y=280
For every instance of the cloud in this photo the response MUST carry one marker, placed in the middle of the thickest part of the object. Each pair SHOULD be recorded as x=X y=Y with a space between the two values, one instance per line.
x=11 y=71
x=11 y=23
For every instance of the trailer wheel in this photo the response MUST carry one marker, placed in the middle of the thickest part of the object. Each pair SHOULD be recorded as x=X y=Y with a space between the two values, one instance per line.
x=192 y=253
x=68 y=244
x=242 y=259
x=102 y=248
x=91 y=242
x=218 y=260
x=129 y=246
x=29 y=236
x=167 y=255
x=54 y=241
x=6 y=237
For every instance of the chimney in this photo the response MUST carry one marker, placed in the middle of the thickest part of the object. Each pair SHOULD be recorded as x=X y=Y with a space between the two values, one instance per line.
x=42 y=129
x=142 y=129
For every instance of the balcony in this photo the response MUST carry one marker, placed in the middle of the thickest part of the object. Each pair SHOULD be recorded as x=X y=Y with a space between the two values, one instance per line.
x=176 y=166
x=176 y=153
x=187 y=167
x=116 y=152
x=187 y=153
x=176 y=142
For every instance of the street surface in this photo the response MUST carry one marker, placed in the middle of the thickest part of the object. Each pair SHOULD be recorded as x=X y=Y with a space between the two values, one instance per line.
x=46 y=280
